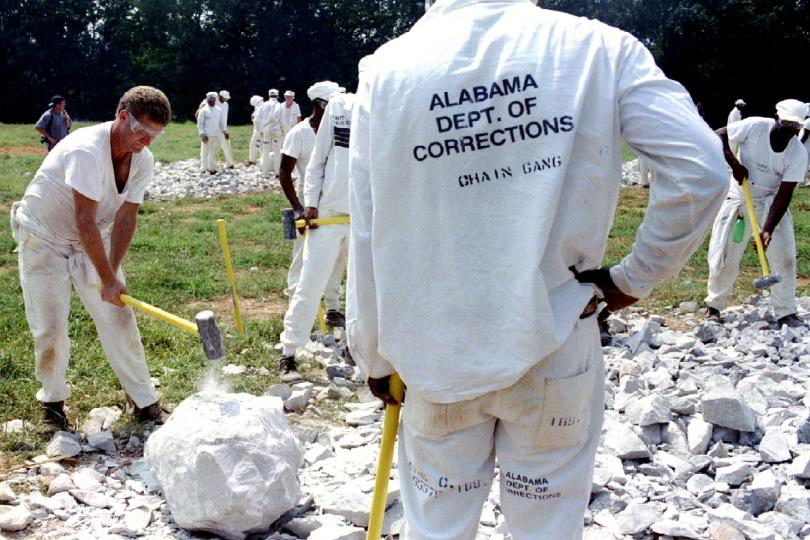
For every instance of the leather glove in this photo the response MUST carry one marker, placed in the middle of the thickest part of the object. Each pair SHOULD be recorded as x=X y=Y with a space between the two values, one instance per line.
x=613 y=297
x=380 y=389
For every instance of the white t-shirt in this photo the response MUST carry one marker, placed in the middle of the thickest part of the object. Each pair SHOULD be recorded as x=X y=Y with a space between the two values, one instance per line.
x=474 y=191
x=326 y=186
x=82 y=161
x=299 y=144
x=766 y=169
x=289 y=115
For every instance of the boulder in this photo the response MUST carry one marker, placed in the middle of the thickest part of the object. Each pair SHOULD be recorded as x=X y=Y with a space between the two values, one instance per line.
x=226 y=463
x=723 y=406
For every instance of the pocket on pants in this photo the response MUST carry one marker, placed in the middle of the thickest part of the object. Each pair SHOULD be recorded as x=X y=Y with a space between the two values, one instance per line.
x=435 y=420
x=566 y=411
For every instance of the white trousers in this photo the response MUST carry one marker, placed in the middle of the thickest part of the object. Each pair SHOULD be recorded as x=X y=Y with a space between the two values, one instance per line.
x=271 y=143
x=322 y=249
x=331 y=296
x=226 y=150
x=208 y=153
x=646 y=175
x=255 y=145
x=46 y=273
x=725 y=256
x=544 y=431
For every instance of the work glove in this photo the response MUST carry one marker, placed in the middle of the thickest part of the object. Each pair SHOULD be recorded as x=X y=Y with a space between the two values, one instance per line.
x=613 y=297
x=380 y=389
x=204 y=138
x=226 y=135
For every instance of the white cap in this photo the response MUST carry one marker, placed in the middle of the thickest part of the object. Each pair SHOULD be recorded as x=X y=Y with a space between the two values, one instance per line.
x=791 y=110
x=225 y=94
x=341 y=89
x=256 y=101
x=210 y=95
x=289 y=93
x=739 y=103
x=321 y=90
x=272 y=92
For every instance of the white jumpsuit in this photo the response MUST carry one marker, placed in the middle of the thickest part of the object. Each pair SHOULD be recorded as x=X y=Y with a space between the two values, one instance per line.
x=767 y=170
x=326 y=188
x=256 y=137
x=211 y=124
x=51 y=258
x=472 y=193
x=271 y=134
x=734 y=116
x=299 y=144
x=226 y=147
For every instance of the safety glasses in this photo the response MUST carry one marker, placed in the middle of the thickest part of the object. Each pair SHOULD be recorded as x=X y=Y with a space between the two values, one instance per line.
x=141 y=129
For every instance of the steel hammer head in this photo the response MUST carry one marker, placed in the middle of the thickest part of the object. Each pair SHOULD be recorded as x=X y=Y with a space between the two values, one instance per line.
x=288 y=224
x=210 y=336
x=767 y=281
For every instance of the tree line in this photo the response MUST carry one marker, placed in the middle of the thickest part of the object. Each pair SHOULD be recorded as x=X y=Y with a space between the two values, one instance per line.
x=90 y=51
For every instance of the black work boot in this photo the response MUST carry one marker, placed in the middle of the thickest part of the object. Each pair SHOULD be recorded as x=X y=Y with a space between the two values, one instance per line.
x=335 y=319
x=288 y=369
x=151 y=413
x=713 y=314
x=54 y=418
x=791 y=320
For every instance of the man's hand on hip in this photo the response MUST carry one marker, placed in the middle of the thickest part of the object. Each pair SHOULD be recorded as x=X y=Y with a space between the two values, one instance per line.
x=613 y=297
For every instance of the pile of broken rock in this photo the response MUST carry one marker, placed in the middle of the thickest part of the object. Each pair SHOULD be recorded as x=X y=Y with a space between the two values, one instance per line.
x=706 y=435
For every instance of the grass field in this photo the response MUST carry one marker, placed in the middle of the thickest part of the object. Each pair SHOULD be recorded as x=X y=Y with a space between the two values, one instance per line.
x=175 y=262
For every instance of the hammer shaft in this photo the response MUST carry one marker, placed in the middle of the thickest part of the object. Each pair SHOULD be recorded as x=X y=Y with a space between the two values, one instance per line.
x=149 y=309
x=763 y=261
x=333 y=220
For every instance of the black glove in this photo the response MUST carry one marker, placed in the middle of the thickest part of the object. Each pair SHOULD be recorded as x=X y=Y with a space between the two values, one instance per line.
x=204 y=137
x=613 y=297
x=380 y=389
x=226 y=135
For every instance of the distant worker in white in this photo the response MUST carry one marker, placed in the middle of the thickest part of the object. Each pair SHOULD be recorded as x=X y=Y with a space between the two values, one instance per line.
x=736 y=113
x=255 y=149
x=224 y=141
x=485 y=171
x=74 y=225
x=270 y=121
x=774 y=161
x=211 y=127
x=326 y=194
x=295 y=154
x=290 y=114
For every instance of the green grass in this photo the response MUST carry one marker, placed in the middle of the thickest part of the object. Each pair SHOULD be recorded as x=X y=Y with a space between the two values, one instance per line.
x=176 y=263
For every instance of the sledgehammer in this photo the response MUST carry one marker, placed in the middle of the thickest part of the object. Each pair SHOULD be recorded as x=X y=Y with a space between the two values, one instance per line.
x=767 y=280
x=206 y=328
x=291 y=225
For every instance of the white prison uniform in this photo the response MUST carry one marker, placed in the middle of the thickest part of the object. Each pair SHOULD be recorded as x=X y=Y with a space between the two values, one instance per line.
x=734 y=116
x=299 y=144
x=289 y=116
x=256 y=137
x=325 y=188
x=223 y=142
x=767 y=170
x=645 y=174
x=51 y=257
x=271 y=135
x=473 y=193
x=210 y=123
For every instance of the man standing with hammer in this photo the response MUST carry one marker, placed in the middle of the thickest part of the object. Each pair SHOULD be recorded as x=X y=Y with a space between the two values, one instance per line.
x=74 y=225
x=481 y=200
x=774 y=161
x=326 y=194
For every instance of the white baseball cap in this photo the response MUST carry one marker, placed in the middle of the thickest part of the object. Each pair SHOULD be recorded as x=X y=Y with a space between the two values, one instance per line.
x=272 y=92
x=791 y=110
x=322 y=90
x=210 y=95
x=225 y=94
x=256 y=100
x=740 y=102
x=289 y=93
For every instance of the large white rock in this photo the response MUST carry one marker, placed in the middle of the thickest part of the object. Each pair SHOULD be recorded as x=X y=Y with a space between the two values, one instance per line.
x=14 y=518
x=723 y=406
x=227 y=463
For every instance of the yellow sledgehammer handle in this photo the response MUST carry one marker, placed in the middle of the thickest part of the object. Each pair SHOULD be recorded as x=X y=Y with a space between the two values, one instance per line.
x=226 y=252
x=763 y=261
x=334 y=220
x=156 y=312
x=389 y=436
